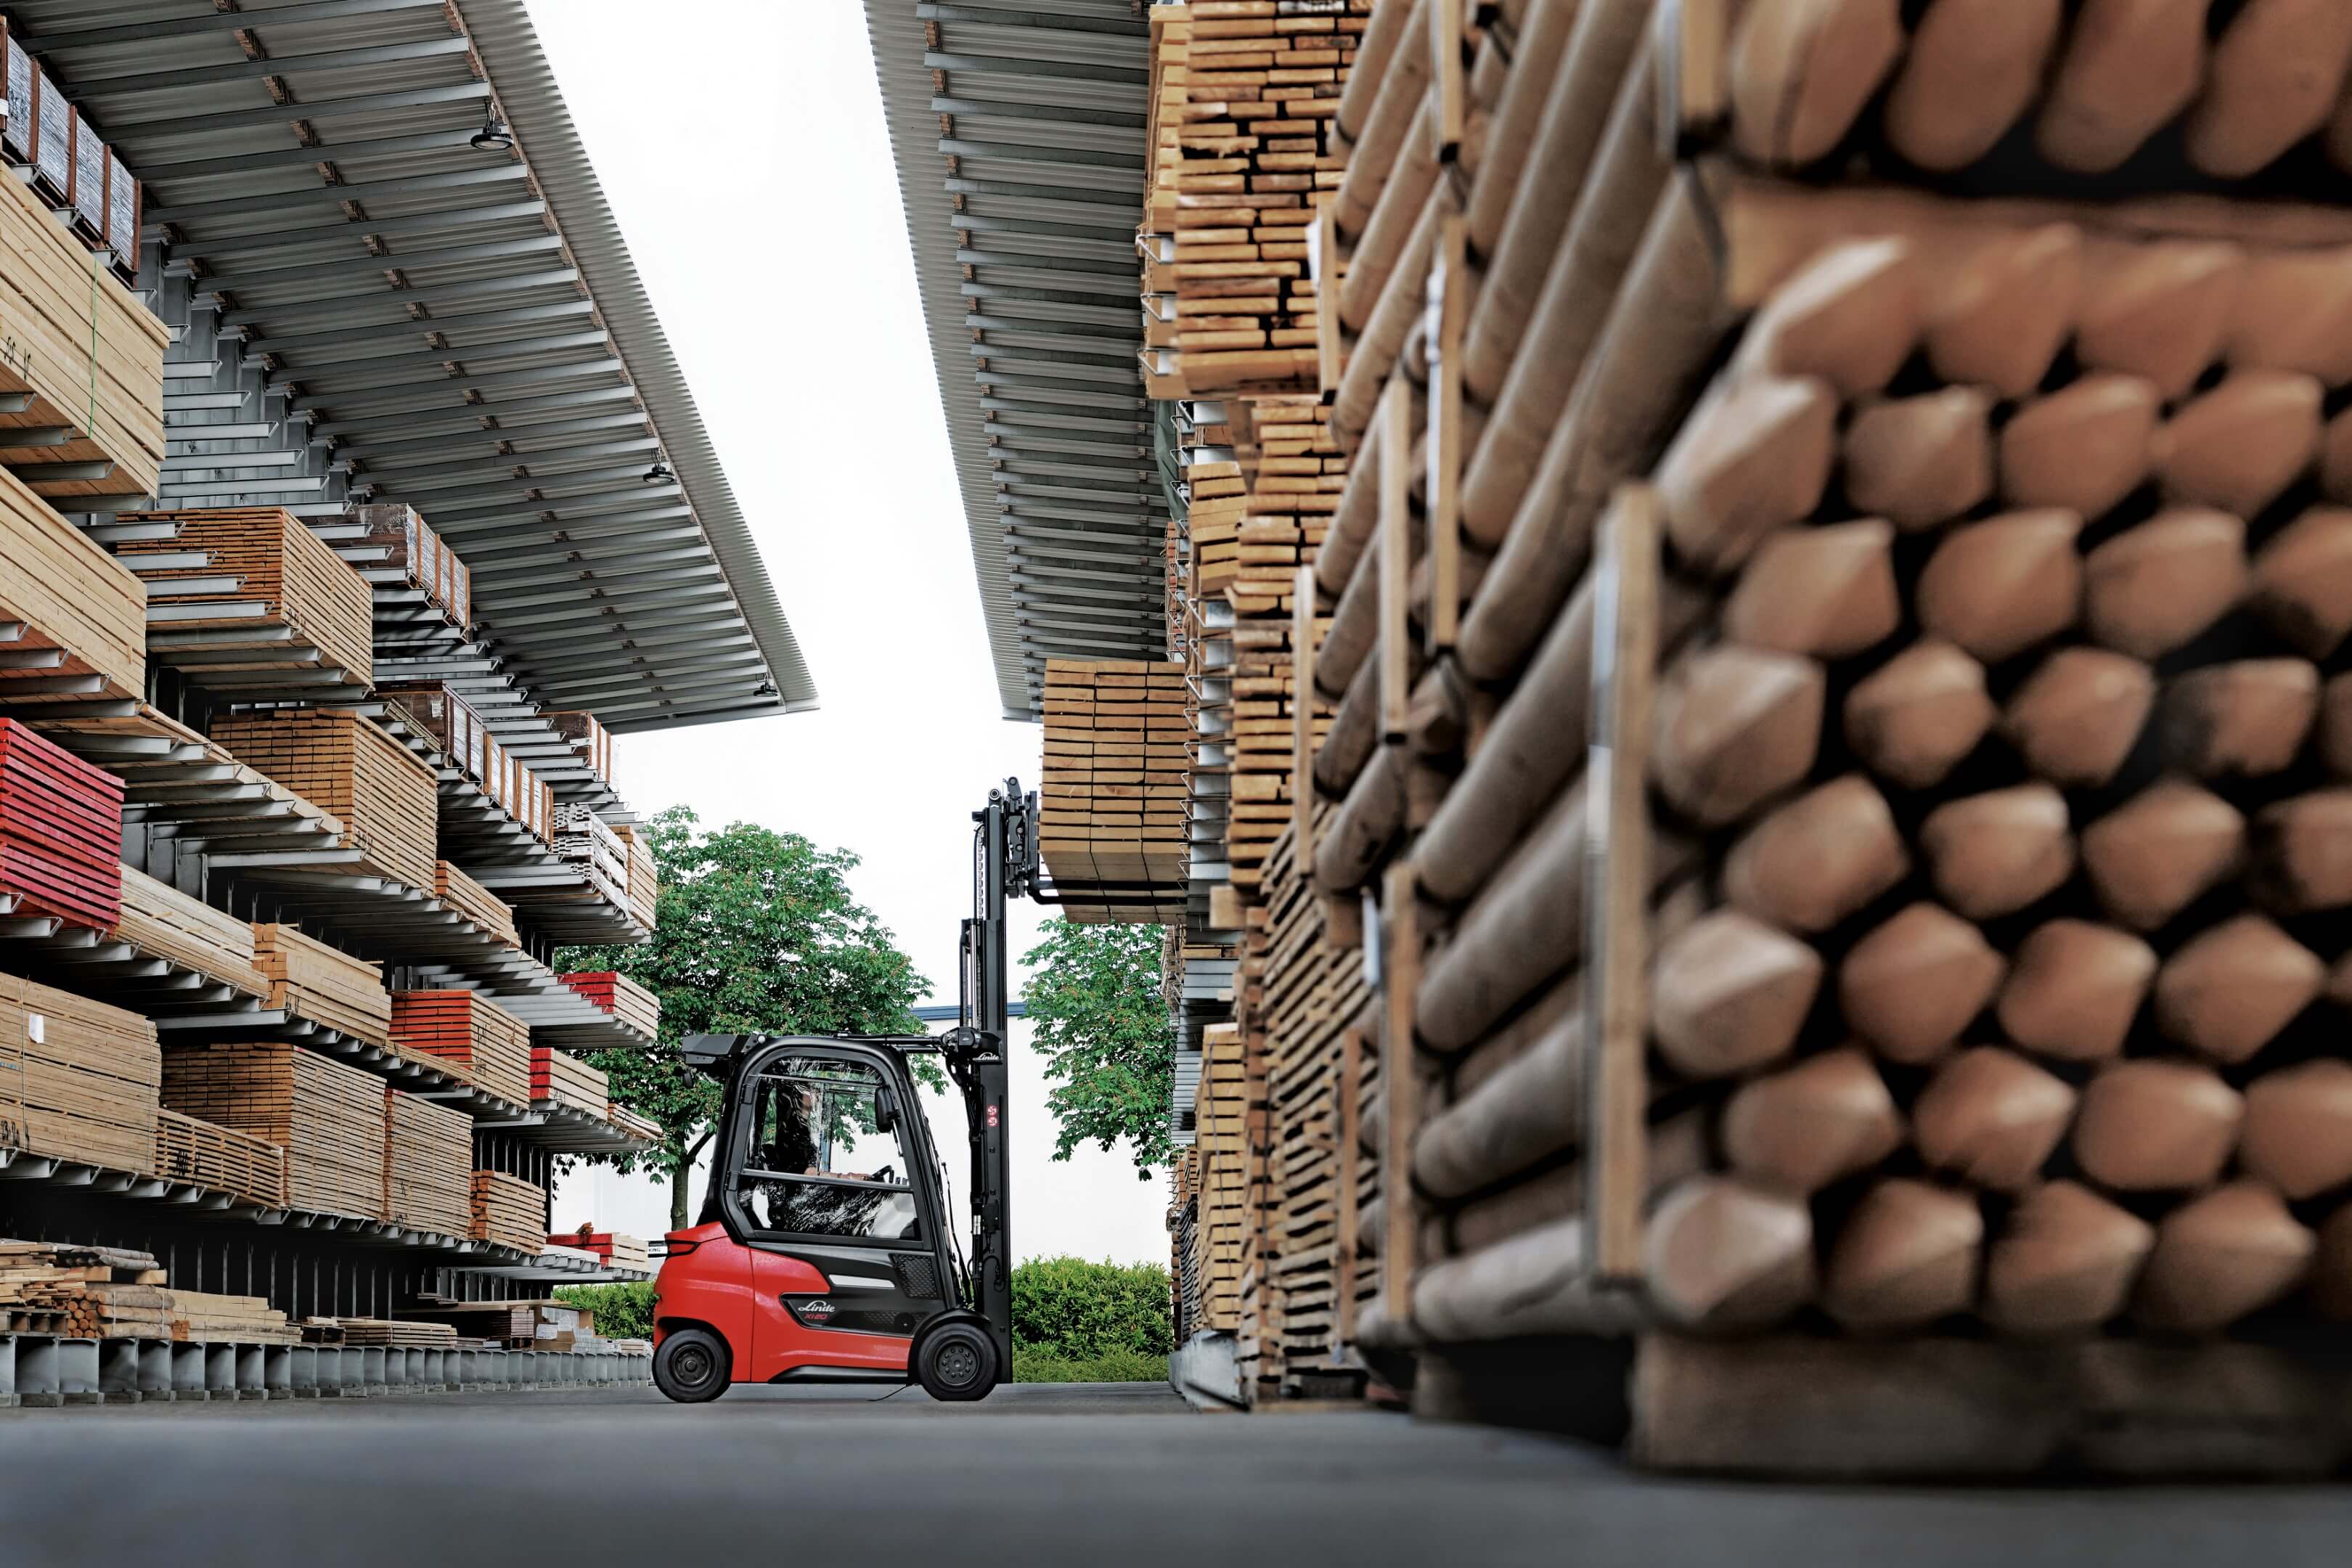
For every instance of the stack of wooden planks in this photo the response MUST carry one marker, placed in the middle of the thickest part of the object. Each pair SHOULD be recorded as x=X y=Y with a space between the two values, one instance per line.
x=321 y=983
x=633 y=1122
x=79 y=1080
x=1221 y=1111
x=587 y=841
x=106 y=1292
x=645 y=874
x=421 y=557
x=475 y=902
x=619 y=1251
x=52 y=145
x=1248 y=90
x=88 y=357
x=428 y=1164
x=221 y=1159
x=486 y=1044
x=79 y=612
x=388 y=801
x=1111 y=800
x=402 y=1333
x=590 y=741
x=264 y=579
x=329 y=1118
x=509 y=1212
x=158 y=919
x=623 y=997
x=561 y=1079
x=468 y=746
x=60 y=831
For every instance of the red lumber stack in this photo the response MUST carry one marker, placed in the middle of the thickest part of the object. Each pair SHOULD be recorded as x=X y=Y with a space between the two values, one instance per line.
x=60 y=831
x=623 y=997
x=463 y=1027
x=561 y=1079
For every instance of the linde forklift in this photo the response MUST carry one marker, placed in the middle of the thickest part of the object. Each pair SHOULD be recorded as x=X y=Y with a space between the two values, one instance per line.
x=825 y=1251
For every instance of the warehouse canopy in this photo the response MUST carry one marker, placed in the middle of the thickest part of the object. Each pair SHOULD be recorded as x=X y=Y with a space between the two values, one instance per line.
x=1018 y=131
x=440 y=318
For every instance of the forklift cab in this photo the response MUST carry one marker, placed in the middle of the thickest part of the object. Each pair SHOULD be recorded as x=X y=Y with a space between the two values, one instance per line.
x=824 y=1249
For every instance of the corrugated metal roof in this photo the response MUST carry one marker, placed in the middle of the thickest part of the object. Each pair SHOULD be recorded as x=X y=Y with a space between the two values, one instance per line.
x=454 y=326
x=1017 y=127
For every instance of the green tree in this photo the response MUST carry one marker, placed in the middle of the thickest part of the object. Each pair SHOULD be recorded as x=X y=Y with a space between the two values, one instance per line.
x=756 y=932
x=1096 y=1013
x=1076 y=1311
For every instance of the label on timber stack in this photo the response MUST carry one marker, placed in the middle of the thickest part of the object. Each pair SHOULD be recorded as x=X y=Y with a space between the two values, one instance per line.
x=37 y=1027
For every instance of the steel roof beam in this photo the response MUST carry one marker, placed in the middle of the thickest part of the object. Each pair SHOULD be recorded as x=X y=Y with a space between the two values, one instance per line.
x=217 y=22
x=138 y=132
x=464 y=469
x=311 y=369
x=401 y=299
x=398 y=400
x=489 y=438
x=377 y=266
x=519 y=315
x=500 y=173
x=357 y=230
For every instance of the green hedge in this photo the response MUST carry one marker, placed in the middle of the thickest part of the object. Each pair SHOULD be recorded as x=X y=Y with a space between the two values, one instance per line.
x=1069 y=1310
x=1120 y=1366
x=622 y=1312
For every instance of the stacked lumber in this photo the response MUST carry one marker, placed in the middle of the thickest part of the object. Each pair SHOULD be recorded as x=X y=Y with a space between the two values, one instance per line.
x=73 y=601
x=509 y=1212
x=106 y=1292
x=1249 y=91
x=467 y=745
x=489 y=1046
x=321 y=983
x=1221 y=1140
x=644 y=875
x=388 y=801
x=428 y=1164
x=590 y=741
x=1183 y=1275
x=60 y=831
x=157 y=918
x=587 y=841
x=220 y=1158
x=201 y=1315
x=394 y=538
x=68 y=162
x=632 y=1123
x=78 y=1079
x=475 y=902
x=1215 y=495
x=265 y=574
x=623 y=997
x=615 y=1249
x=1111 y=799
x=404 y=1334
x=328 y=1117
x=561 y=1078
x=87 y=355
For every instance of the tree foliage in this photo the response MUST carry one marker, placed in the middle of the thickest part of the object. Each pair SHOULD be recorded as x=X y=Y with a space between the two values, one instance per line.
x=1096 y=1013
x=1071 y=1310
x=756 y=932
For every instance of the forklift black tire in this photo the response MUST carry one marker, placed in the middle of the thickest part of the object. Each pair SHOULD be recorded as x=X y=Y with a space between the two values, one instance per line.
x=957 y=1363
x=692 y=1366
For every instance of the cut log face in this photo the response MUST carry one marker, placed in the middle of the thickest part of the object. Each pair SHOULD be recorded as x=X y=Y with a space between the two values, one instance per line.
x=2245 y=719
x=1826 y=591
x=1719 y=1254
x=1991 y=1118
x=2231 y=1252
x=1729 y=994
x=1818 y=1122
x=2084 y=448
x=2331 y=1274
x=2239 y=446
x=1911 y=986
x=2298 y=1131
x=2335 y=725
x=2075 y=989
x=1995 y=853
x=2302 y=581
x=1818 y=859
x=2303 y=852
x=1800 y=73
x=2158 y=308
x=1851 y=316
x=1972 y=69
x=2162 y=850
x=1921 y=461
x=2077 y=716
x=1922 y=711
x=2229 y=991
x=2272 y=80
x=2150 y=589
x=1999 y=586
x=2156 y=1126
x=1754 y=458
x=2064 y=1262
x=2128 y=67
x=2002 y=315
x=2295 y=312
x=1735 y=727
x=1905 y=1258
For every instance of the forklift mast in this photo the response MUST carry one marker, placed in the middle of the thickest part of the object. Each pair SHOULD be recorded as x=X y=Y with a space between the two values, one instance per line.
x=1003 y=868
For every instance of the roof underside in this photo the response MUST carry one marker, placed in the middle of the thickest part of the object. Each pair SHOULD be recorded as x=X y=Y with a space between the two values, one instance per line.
x=1018 y=131
x=462 y=327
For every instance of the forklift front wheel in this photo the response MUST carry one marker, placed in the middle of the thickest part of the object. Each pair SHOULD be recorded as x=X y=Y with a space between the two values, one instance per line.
x=692 y=1366
x=958 y=1362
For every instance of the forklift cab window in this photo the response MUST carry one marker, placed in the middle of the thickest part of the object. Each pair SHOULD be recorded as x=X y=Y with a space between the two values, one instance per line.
x=817 y=1161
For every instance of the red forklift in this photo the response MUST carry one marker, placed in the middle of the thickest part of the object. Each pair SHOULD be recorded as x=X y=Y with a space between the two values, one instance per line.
x=826 y=1250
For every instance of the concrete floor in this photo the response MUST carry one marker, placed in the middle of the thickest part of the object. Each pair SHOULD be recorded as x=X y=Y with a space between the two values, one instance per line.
x=1122 y=1476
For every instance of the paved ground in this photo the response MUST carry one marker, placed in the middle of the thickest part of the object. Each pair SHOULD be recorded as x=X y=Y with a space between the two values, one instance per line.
x=1120 y=1476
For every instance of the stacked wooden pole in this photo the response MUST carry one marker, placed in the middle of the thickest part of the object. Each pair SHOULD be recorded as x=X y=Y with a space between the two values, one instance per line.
x=262 y=578
x=344 y=761
x=60 y=832
x=428 y=1164
x=79 y=1080
x=323 y=984
x=559 y=1078
x=329 y=1118
x=488 y=1045
x=509 y=1212
x=623 y=997
x=1111 y=791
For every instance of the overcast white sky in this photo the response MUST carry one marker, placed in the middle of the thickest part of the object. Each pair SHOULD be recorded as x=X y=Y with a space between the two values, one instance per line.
x=749 y=167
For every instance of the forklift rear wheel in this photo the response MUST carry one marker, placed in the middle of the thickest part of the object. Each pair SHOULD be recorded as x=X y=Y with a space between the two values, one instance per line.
x=958 y=1362
x=691 y=1365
